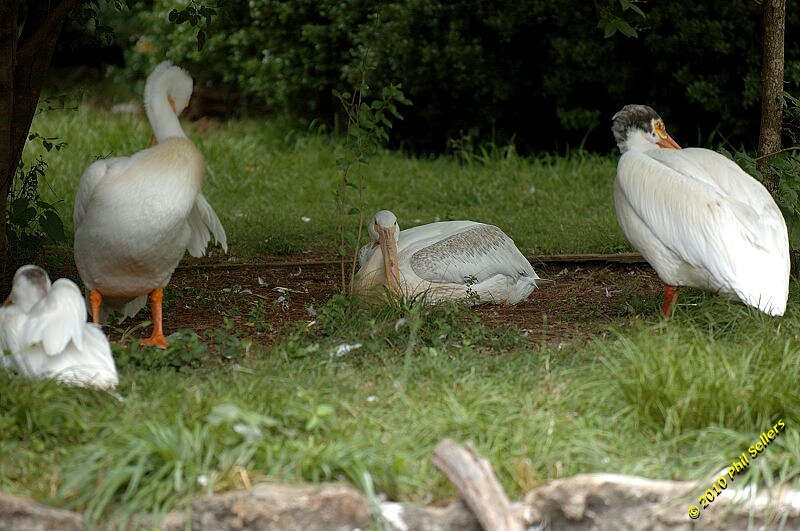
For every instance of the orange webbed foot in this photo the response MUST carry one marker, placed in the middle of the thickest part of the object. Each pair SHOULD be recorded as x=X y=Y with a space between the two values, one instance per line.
x=670 y=299
x=155 y=340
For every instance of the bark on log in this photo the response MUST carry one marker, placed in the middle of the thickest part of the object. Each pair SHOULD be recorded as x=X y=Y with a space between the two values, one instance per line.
x=18 y=513
x=473 y=477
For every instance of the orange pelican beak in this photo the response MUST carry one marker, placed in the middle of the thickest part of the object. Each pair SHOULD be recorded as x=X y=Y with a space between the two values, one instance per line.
x=389 y=251
x=666 y=140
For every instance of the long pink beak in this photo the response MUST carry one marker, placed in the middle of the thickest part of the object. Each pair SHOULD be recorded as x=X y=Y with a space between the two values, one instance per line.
x=668 y=143
x=389 y=251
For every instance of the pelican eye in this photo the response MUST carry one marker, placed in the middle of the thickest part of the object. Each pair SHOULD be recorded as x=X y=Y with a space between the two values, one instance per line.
x=660 y=129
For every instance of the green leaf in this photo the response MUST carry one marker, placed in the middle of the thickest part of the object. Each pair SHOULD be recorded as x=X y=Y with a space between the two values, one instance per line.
x=626 y=29
x=22 y=216
x=609 y=29
x=627 y=4
x=52 y=226
x=201 y=40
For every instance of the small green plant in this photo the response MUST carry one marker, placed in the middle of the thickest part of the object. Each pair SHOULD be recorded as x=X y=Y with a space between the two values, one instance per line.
x=472 y=295
x=31 y=221
x=227 y=343
x=368 y=125
x=186 y=349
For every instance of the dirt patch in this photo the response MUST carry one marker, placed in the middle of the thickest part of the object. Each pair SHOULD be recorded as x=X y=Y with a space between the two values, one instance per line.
x=279 y=291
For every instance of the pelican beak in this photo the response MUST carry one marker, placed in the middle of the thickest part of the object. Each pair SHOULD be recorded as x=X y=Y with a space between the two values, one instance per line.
x=389 y=251
x=666 y=140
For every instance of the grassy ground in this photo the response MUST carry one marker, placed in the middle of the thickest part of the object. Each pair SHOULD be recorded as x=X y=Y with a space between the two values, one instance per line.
x=671 y=400
x=263 y=178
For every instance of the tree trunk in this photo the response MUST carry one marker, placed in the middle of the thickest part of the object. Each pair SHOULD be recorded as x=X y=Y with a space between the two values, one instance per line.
x=28 y=36
x=8 y=43
x=769 y=141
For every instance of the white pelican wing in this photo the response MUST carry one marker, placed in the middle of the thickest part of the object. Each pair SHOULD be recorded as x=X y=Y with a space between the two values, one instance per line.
x=94 y=174
x=11 y=322
x=204 y=223
x=56 y=319
x=92 y=366
x=471 y=250
x=709 y=214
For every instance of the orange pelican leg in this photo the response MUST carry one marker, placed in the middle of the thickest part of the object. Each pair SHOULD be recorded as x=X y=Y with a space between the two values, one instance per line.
x=95 y=300
x=670 y=298
x=157 y=338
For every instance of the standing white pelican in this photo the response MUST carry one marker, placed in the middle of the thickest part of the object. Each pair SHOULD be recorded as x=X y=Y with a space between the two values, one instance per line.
x=136 y=216
x=44 y=333
x=697 y=218
x=448 y=260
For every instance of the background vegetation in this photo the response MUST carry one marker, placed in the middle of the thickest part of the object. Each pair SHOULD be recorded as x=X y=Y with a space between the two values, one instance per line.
x=541 y=74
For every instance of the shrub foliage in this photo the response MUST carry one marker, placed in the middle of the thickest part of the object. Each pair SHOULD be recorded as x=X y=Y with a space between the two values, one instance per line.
x=546 y=75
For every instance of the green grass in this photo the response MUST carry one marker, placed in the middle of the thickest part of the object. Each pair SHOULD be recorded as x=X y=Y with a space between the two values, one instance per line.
x=671 y=400
x=264 y=177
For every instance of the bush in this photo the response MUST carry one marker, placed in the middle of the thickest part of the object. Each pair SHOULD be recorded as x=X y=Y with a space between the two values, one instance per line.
x=542 y=74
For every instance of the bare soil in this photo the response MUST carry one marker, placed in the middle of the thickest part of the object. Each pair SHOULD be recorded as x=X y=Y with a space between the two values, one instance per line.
x=279 y=291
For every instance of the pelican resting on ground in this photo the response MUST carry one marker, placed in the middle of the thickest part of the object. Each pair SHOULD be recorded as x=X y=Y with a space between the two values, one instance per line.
x=448 y=260
x=44 y=333
x=697 y=218
x=136 y=216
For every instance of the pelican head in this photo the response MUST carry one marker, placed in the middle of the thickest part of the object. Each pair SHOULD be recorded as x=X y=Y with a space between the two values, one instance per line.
x=639 y=127
x=31 y=283
x=168 y=87
x=385 y=232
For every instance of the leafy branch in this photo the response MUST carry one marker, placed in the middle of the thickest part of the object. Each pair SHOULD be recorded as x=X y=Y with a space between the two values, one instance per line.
x=368 y=126
x=197 y=15
x=32 y=222
x=611 y=22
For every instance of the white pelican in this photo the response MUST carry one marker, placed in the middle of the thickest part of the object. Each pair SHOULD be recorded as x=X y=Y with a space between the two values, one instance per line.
x=44 y=333
x=136 y=216
x=448 y=260
x=697 y=218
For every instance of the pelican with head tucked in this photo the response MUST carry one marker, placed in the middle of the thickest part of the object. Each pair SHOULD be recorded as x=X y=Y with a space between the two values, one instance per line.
x=446 y=260
x=136 y=216
x=44 y=333
x=697 y=217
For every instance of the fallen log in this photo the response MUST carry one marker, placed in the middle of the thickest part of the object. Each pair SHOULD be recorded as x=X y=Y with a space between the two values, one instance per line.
x=473 y=477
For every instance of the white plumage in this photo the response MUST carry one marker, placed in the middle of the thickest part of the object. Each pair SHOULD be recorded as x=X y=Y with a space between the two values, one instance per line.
x=44 y=333
x=136 y=216
x=448 y=260
x=697 y=217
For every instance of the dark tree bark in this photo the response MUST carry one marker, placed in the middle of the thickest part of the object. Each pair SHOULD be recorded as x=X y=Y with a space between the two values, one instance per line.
x=769 y=141
x=28 y=36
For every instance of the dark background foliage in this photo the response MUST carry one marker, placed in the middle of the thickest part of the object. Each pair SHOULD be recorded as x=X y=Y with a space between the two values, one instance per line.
x=542 y=75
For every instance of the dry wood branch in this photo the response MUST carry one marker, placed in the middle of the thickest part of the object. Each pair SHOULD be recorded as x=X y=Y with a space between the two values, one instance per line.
x=616 y=258
x=473 y=477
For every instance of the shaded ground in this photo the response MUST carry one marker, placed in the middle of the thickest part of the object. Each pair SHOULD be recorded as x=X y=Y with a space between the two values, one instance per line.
x=279 y=291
